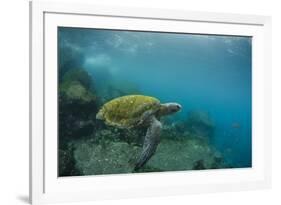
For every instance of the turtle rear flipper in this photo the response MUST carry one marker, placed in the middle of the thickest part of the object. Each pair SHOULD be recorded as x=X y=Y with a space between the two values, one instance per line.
x=151 y=141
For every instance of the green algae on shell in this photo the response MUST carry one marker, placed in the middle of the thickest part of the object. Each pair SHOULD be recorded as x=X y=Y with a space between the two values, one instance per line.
x=126 y=111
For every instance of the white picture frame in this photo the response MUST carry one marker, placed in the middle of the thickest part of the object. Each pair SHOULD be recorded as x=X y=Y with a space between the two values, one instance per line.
x=46 y=187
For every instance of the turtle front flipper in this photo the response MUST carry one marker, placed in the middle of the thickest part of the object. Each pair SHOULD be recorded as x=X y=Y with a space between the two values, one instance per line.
x=146 y=117
x=151 y=141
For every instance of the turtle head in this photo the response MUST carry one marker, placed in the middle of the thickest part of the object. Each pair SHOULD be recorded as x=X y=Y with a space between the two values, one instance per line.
x=169 y=108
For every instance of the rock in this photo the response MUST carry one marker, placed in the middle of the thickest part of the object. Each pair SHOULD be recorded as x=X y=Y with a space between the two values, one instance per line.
x=77 y=106
x=110 y=158
x=199 y=165
x=78 y=75
x=200 y=123
x=67 y=162
x=76 y=91
x=184 y=154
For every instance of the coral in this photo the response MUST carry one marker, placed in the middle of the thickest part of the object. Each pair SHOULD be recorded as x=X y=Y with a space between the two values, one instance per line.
x=200 y=123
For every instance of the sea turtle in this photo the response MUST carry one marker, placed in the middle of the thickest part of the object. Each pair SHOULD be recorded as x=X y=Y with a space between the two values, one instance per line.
x=133 y=111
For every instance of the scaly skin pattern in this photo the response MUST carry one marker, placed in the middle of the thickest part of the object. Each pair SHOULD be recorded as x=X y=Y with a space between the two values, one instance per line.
x=126 y=111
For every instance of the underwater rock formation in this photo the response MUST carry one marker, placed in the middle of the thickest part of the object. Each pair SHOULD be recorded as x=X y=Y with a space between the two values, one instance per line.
x=79 y=75
x=130 y=136
x=106 y=158
x=67 y=162
x=88 y=147
x=76 y=91
x=199 y=165
x=77 y=105
x=185 y=154
x=175 y=130
x=200 y=123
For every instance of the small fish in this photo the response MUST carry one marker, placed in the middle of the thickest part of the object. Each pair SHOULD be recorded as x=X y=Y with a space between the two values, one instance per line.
x=235 y=125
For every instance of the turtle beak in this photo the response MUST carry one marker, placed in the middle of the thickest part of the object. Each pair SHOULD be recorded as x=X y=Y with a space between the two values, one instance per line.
x=177 y=108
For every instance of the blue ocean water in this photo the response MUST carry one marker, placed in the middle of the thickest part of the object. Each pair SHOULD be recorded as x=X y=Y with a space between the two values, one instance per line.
x=210 y=73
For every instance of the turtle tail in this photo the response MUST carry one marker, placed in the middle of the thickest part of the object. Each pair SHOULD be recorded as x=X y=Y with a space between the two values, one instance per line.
x=100 y=115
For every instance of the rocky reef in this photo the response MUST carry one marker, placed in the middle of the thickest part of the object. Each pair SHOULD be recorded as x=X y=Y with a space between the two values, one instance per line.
x=89 y=147
x=77 y=106
x=115 y=156
x=105 y=158
x=200 y=123
x=186 y=154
